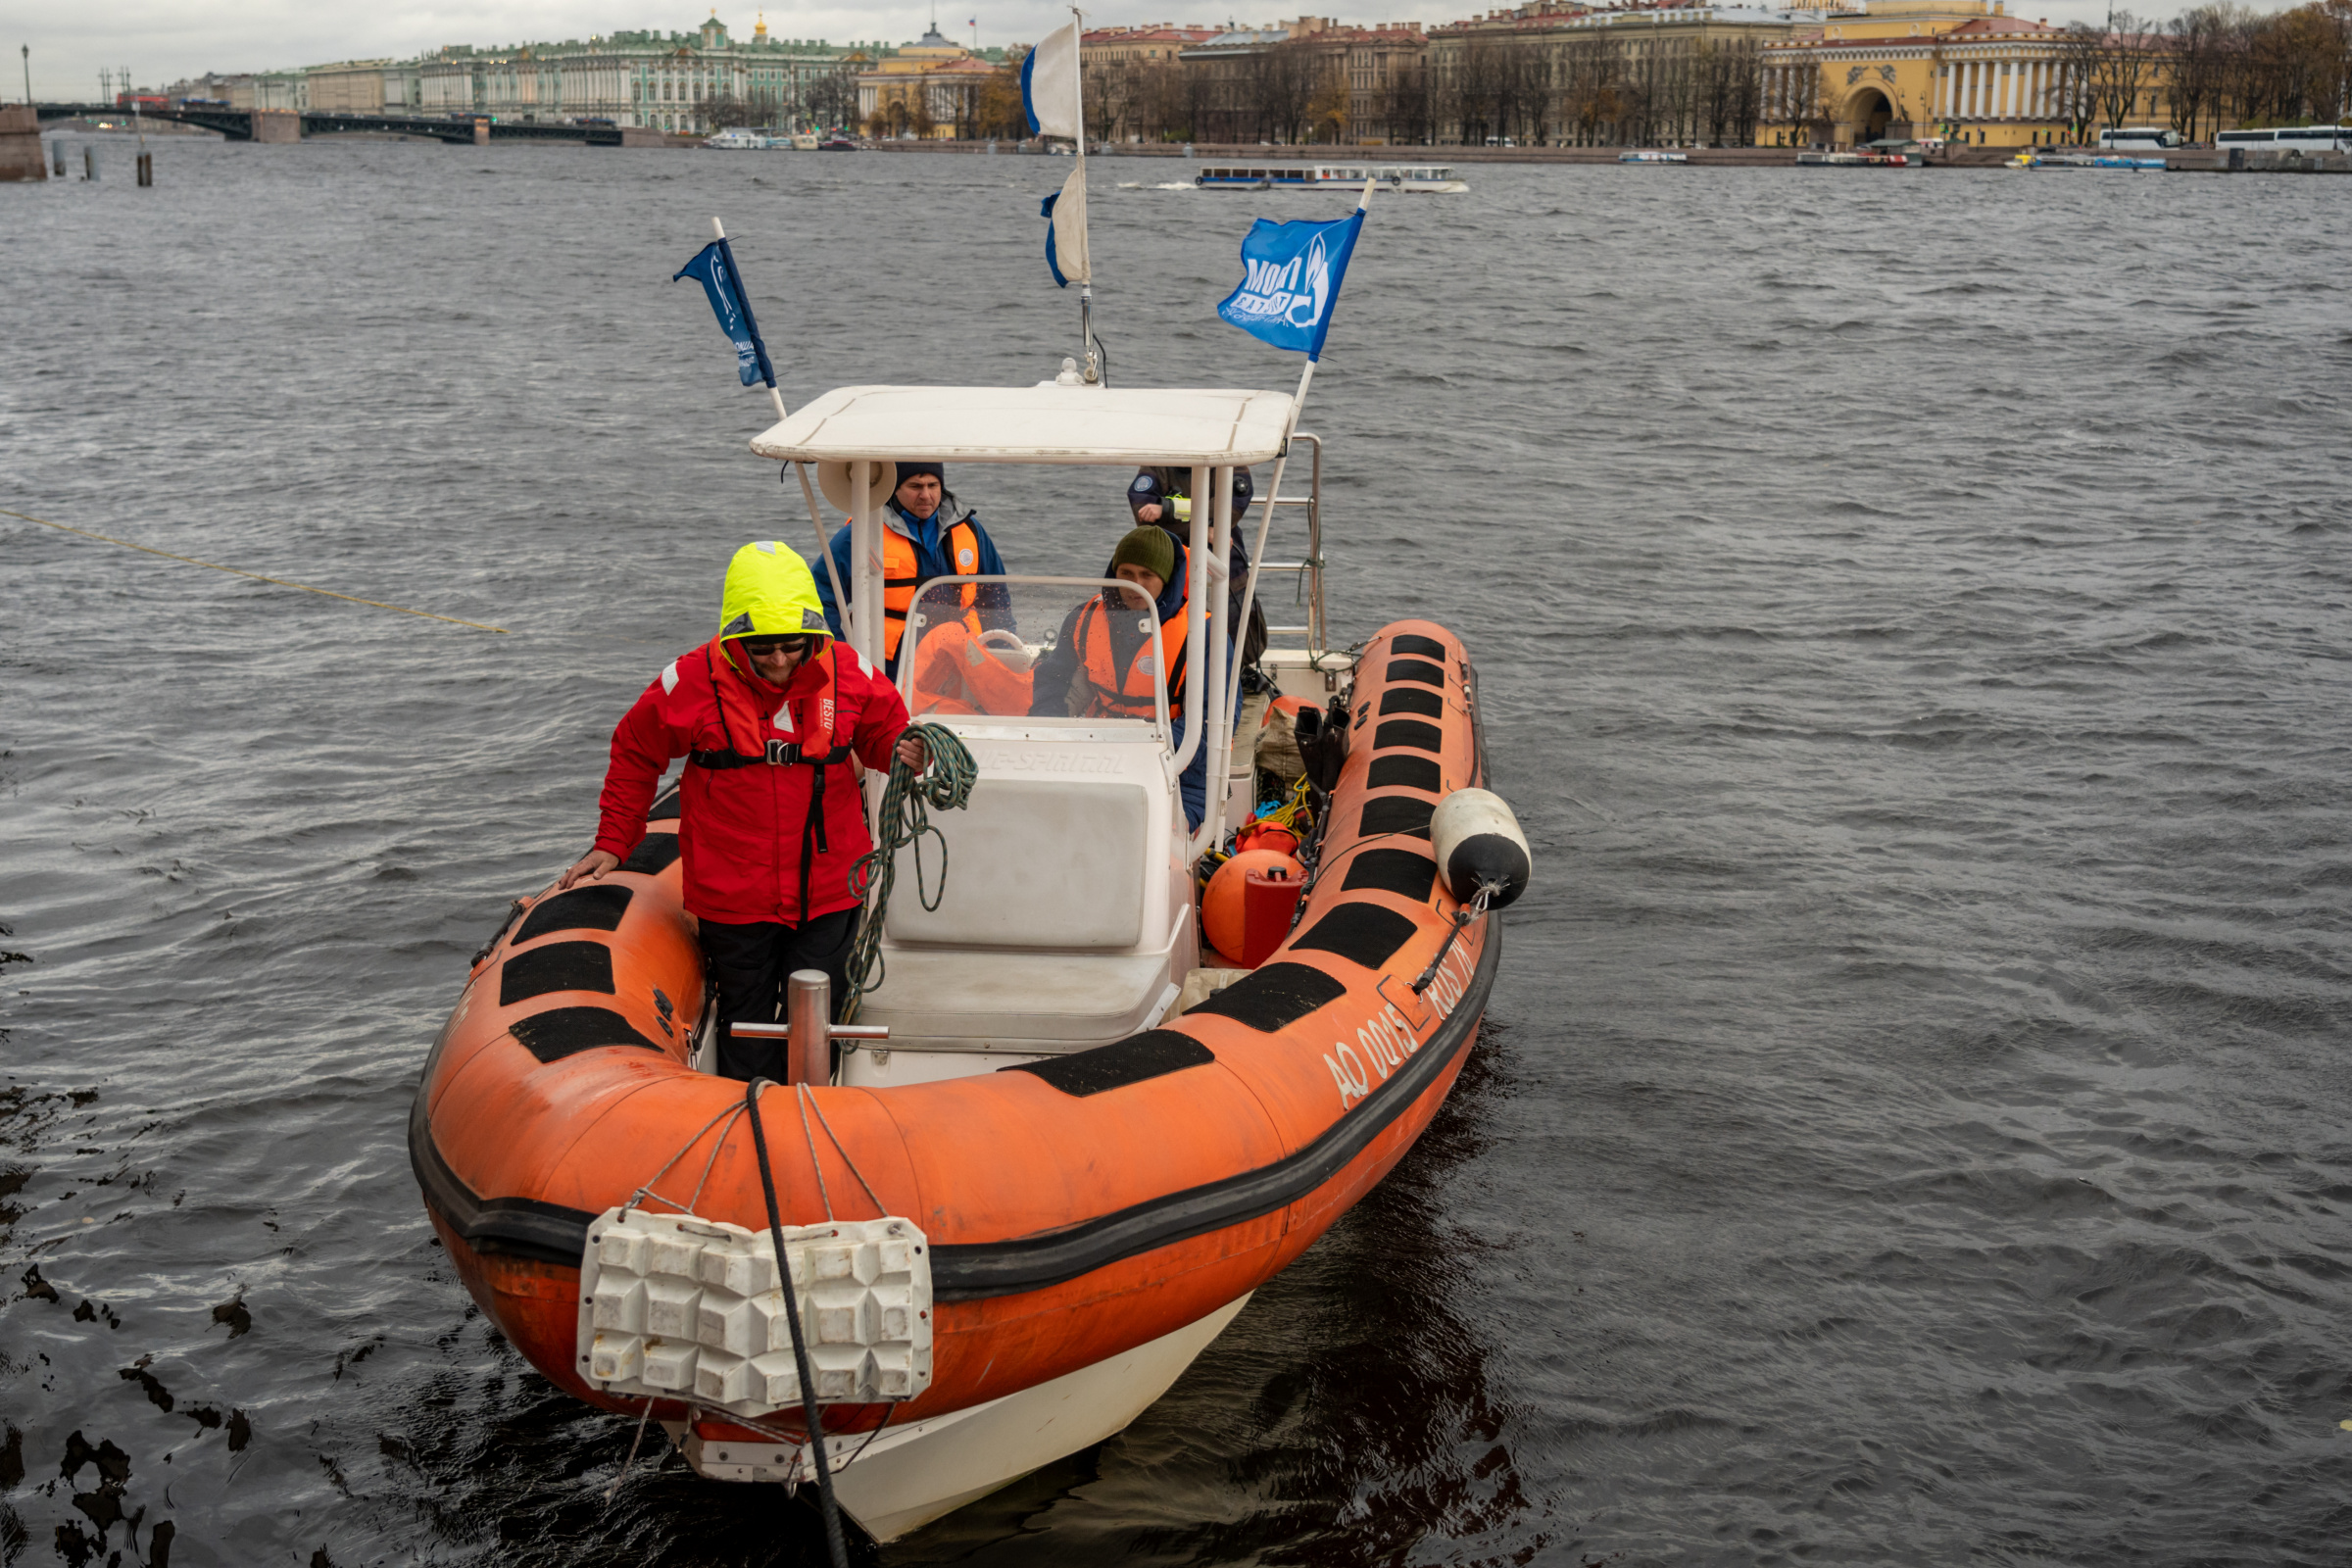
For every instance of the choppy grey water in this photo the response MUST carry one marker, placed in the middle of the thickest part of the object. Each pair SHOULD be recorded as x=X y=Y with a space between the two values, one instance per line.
x=1913 y=618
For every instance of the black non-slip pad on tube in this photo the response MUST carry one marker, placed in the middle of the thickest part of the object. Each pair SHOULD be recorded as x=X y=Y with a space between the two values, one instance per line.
x=1396 y=813
x=1275 y=996
x=1415 y=669
x=588 y=909
x=1403 y=772
x=1137 y=1058
x=562 y=1031
x=1405 y=872
x=1414 y=643
x=1411 y=699
x=1410 y=732
x=557 y=966
x=653 y=854
x=1368 y=934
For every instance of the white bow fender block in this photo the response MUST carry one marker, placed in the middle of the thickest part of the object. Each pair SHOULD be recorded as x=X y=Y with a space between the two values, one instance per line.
x=677 y=1307
x=1478 y=843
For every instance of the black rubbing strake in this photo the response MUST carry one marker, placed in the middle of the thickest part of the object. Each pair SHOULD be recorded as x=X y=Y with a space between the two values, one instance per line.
x=1408 y=699
x=1403 y=772
x=1011 y=1265
x=588 y=909
x=1410 y=732
x=1392 y=871
x=653 y=854
x=557 y=966
x=562 y=1031
x=666 y=808
x=1153 y=1054
x=1396 y=814
x=1274 y=996
x=1405 y=641
x=1415 y=669
x=1368 y=934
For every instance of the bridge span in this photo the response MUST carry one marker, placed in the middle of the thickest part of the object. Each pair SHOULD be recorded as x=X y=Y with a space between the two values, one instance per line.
x=274 y=125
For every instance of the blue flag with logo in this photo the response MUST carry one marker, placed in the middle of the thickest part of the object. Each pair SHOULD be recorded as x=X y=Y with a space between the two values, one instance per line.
x=714 y=265
x=1291 y=277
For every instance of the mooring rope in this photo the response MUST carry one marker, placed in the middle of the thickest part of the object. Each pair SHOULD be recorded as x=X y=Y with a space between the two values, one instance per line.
x=907 y=802
x=238 y=572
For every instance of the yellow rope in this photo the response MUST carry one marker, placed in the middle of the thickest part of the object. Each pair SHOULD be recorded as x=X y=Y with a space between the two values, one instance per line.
x=372 y=603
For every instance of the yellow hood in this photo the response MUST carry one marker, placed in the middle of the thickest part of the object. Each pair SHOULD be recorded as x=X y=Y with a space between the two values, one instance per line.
x=770 y=593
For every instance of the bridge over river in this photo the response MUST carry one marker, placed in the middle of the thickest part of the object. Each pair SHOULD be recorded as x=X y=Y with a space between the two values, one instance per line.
x=286 y=124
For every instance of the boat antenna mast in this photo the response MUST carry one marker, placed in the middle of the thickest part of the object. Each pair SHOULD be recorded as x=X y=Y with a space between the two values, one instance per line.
x=1086 y=285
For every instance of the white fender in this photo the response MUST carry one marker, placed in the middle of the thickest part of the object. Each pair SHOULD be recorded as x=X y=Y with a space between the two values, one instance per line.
x=1478 y=843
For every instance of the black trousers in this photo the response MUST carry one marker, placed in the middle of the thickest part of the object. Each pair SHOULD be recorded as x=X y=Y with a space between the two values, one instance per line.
x=747 y=964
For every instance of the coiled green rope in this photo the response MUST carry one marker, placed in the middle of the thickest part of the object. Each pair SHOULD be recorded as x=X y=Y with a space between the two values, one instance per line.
x=907 y=802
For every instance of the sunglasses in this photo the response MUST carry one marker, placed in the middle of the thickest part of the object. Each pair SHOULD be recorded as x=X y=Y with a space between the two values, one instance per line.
x=761 y=648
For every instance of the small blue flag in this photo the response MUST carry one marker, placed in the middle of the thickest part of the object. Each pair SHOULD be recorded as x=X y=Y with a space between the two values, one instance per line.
x=715 y=265
x=1290 y=281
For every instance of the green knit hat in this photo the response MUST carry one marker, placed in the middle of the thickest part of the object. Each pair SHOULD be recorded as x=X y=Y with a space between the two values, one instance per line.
x=1150 y=547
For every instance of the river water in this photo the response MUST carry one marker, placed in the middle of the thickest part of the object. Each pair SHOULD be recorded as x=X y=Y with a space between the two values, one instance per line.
x=1912 y=612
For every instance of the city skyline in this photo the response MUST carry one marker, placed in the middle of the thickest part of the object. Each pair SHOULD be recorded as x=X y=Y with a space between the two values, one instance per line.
x=160 y=42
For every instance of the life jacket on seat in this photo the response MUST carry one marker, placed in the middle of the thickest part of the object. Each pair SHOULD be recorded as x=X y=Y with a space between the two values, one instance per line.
x=1130 y=693
x=955 y=672
x=900 y=580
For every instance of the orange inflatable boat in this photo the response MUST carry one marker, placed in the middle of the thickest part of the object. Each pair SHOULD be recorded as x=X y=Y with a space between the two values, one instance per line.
x=1007 y=1237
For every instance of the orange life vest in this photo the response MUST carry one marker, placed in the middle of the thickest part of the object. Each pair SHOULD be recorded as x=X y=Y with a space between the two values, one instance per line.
x=900 y=582
x=731 y=731
x=1129 y=693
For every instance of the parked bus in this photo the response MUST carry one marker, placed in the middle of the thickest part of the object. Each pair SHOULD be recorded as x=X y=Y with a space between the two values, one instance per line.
x=2141 y=139
x=2286 y=139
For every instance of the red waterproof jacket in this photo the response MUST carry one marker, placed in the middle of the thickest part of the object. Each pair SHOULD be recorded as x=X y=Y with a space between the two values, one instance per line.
x=770 y=820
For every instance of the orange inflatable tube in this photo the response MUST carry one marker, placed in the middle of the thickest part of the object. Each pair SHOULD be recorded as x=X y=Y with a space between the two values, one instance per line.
x=1077 y=1206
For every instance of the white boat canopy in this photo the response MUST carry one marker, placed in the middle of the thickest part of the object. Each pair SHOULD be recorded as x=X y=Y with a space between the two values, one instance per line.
x=1049 y=425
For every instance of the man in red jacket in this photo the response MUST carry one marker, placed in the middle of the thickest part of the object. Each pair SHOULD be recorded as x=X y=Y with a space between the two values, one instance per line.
x=767 y=715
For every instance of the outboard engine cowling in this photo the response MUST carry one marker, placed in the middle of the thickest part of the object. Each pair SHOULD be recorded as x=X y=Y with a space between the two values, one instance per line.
x=1479 y=844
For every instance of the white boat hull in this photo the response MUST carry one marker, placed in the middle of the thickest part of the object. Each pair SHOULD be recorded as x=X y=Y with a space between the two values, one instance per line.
x=908 y=1476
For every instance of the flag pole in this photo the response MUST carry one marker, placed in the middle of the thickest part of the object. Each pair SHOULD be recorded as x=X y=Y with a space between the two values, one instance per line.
x=1086 y=288
x=718 y=231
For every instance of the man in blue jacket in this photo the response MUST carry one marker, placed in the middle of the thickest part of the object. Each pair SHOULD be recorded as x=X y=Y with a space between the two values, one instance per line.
x=926 y=533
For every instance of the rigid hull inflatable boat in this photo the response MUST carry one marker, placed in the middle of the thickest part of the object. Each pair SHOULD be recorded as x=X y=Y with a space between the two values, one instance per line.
x=1010 y=1224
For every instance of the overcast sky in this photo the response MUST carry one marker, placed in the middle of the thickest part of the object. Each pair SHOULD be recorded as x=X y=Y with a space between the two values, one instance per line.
x=164 y=40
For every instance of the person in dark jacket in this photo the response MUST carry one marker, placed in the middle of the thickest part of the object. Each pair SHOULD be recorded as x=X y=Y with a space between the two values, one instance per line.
x=926 y=533
x=1162 y=497
x=1100 y=664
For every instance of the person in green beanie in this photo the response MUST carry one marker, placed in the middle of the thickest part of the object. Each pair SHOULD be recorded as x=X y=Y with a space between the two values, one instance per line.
x=1105 y=665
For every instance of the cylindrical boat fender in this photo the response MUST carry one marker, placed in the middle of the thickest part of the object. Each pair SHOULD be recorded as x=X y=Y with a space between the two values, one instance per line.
x=1479 y=844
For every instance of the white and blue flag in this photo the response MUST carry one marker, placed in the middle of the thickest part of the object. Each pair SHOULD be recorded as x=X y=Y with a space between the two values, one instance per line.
x=714 y=265
x=1049 y=86
x=1291 y=277
x=1064 y=214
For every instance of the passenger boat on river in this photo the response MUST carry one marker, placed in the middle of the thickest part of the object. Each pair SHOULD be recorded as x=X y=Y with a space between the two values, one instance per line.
x=1425 y=179
x=1065 y=1138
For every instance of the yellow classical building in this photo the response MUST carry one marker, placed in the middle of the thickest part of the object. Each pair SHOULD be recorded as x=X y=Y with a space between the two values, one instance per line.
x=929 y=89
x=1960 y=69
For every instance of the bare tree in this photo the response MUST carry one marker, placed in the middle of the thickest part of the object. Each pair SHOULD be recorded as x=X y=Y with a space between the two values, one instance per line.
x=2197 y=64
x=2076 y=91
x=831 y=100
x=2122 y=72
x=1408 y=104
